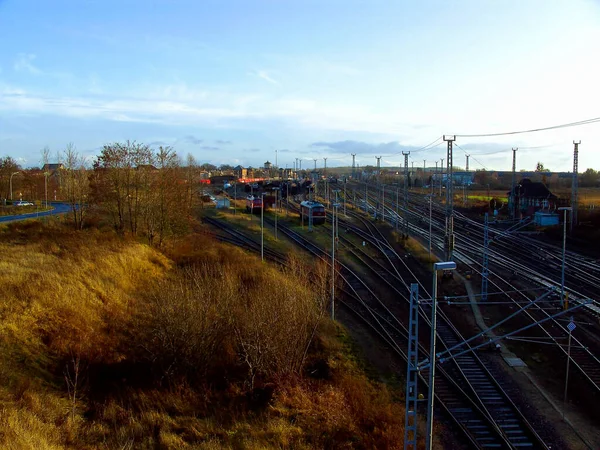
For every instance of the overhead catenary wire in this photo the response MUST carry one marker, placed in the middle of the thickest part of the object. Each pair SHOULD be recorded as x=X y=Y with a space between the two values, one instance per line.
x=475 y=159
x=553 y=127
x=425 y=147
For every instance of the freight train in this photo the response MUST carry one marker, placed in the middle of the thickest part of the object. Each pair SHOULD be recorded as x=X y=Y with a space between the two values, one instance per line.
x=314 y=209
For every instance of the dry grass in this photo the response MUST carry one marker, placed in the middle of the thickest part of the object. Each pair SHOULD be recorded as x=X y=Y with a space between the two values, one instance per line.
x=106 y=343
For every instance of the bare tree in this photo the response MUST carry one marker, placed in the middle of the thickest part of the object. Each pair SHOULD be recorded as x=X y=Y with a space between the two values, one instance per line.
x=76 y=184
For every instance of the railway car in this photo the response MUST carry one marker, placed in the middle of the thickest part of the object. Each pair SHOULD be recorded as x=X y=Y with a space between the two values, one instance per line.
x=253 y=204
x=316 y=209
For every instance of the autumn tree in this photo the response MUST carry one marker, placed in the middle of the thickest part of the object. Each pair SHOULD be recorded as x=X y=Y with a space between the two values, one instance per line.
x=123 y=182
x=589 y=178
x=76 y=185
x=143 y=190
x=539 y=167
x=8 y=166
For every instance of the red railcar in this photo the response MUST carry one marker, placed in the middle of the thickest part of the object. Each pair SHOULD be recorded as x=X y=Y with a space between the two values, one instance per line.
x=253 y=204
x=315 y=209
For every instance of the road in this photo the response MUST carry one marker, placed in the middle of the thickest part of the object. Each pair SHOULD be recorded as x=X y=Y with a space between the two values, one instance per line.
x=59 y=208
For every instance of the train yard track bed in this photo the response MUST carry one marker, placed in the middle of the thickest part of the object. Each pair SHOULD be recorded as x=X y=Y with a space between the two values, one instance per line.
x=390 y=367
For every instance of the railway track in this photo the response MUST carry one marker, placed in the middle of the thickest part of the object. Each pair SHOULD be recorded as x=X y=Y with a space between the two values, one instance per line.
x=469 y=393
x=468 y=252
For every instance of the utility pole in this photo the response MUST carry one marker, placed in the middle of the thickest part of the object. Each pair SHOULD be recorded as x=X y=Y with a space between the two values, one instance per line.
x=325 y=168
x=574 y=186
x=405 y=215
x=315 y=160
x=513 y=209
x=466 y=197
x=423 y=181
x=432 y=180
x=383 y=203
x=353 y=165
x=412 y=371
x=397 y=203
x=467 y=168
x=333 y=263
x=449 y=239
x=345 y=182
x=484 y=271
x=441 y=175
x=378 y=158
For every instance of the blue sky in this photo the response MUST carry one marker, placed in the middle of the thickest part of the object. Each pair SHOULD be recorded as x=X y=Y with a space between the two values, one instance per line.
x=233 y=81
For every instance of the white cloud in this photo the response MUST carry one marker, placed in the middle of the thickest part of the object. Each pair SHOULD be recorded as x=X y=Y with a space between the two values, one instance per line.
x=24 y=63
x=262 y=74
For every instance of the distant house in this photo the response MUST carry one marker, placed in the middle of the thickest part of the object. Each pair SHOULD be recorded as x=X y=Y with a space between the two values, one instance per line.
x=240 y=172
x=267 y=165
x=531 y=196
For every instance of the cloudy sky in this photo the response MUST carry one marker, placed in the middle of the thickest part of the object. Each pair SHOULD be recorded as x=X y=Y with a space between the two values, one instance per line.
x=234 y=81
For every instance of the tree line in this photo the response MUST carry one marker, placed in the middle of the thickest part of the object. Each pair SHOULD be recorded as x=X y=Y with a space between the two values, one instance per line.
x=138 y=190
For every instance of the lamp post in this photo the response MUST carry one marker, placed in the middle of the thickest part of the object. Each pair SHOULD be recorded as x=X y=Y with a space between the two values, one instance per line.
x=437 y=267
x=10 y=183
x=276 y=209
x=333 y=219
x=430 y=204
x=262 y=227
x=562 y=273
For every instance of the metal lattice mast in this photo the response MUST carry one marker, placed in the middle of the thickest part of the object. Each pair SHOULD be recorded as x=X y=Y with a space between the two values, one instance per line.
x=383 y=203
x=449 y=240
x=325 y=167
x=353 y=165
x=466 y=197
x=405 y=215
x=513 y=209
x=412 y=372
x=485 y=272
x=441 y=175
x=574 y=186
x=378 y=158
x=433 y=179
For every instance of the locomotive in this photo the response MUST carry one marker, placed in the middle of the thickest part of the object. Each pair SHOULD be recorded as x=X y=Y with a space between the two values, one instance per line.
x=253 y=204
x=315 y=209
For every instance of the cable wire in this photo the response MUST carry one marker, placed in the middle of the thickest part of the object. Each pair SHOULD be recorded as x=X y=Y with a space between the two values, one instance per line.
x=553 y=127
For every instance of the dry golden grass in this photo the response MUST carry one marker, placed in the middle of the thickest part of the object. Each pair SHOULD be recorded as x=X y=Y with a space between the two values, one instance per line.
x=106 y=343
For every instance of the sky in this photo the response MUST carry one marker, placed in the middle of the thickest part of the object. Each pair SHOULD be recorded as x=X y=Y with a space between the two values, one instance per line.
x=246 y=81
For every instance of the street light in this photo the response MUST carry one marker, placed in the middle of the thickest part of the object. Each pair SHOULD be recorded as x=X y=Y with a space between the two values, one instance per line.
x=333 y=220
x=562 y=276
x=437 y=267
x=10 y=183
x=262 y=227
x=430 y=197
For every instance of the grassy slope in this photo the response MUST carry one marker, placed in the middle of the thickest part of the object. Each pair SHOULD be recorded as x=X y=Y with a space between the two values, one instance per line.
x=67 y=299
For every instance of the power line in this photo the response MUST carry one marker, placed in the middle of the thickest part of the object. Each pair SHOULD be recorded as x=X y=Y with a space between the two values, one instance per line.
x=553 y=127
x=426 y=147
x=478 y=162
